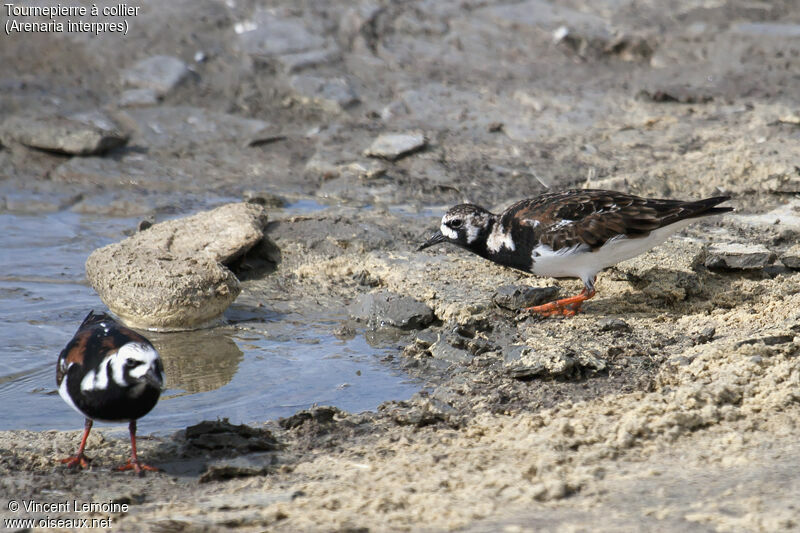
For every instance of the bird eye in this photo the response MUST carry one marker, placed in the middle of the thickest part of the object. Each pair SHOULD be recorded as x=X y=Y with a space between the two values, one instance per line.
x=456 y=223
x=132 y=363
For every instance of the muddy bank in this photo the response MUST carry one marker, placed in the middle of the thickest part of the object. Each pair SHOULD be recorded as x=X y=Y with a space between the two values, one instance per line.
x=670 y=404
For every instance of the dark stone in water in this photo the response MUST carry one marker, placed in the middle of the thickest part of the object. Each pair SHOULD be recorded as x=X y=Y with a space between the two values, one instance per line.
x=384 y=308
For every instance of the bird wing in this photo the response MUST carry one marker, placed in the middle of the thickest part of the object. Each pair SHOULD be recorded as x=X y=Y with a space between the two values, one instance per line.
x=73 y=353
x=593 y=217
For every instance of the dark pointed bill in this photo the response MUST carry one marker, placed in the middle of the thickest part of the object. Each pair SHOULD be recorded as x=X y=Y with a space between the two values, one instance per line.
x=436 y=238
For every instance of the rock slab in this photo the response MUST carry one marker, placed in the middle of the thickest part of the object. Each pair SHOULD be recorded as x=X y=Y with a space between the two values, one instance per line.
x=396 y=145
x=62 y=134
x=791 y=257
x=736 y=256
x=383 y=308
x=172 y=276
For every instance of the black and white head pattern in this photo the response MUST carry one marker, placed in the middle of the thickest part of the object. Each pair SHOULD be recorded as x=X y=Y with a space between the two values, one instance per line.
x=465 y=224
x=133 y=366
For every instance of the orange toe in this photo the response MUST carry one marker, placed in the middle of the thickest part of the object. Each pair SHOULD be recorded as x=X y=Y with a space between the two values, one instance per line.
x=137 y=466
x=79 y=461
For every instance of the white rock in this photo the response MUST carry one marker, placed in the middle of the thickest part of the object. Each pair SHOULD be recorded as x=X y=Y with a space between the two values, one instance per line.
x=395 y=145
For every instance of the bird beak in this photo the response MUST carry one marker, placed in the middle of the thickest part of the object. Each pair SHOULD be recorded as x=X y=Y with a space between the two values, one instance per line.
x=153 y=379
x=436 y=238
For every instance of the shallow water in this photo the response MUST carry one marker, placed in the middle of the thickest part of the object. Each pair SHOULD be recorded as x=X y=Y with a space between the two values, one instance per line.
x=247 y=374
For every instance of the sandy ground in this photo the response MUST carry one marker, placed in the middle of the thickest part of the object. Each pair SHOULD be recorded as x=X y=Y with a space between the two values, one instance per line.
x=671 y=404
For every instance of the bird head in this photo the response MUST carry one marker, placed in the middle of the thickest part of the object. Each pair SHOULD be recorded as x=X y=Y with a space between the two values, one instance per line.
x=137 y=365
x=462 y=225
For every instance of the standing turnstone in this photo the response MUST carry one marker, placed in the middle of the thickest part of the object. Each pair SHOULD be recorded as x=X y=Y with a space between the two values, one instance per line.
x=109 y=373
x=571 y=234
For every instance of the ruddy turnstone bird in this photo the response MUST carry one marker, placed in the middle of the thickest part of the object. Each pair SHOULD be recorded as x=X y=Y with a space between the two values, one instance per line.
x=109 y=373
x=571 y=234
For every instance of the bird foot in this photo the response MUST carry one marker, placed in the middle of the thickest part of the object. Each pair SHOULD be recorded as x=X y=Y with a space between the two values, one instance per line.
x=137 y=466
x=564 y=307
x=555 y=309
x=79 y=461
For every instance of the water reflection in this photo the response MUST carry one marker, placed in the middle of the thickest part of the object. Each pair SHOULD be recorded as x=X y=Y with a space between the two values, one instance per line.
x=197 y=361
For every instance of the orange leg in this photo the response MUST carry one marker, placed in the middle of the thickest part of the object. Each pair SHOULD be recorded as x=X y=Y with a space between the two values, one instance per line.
x=564 y=307
x=133 y=463
x=80 y=460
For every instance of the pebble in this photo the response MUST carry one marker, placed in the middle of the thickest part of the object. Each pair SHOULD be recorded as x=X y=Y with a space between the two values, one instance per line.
x=332 y=94
x=62 y=134
x=158 y=73
x=737 y=256
x=613 y=324
x=393 y=146
x=706 y=335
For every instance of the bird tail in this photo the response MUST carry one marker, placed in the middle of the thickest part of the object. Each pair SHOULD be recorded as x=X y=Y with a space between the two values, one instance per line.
x=706 y=207
x=93 y=318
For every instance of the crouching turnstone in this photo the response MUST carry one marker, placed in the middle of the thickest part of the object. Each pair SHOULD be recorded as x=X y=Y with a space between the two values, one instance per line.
x=109 y=373
x=571 y=234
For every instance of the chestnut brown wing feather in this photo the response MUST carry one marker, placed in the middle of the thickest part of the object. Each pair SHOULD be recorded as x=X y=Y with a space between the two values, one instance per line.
x=592 y=217
x=74 y=352
x=94 y=342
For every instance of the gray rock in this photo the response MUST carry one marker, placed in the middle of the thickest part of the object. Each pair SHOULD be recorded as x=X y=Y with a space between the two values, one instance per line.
x=274 y=36
x=237 y=467
x=515 y=297
x=138 y=98
x=293 y=63
x=62 y=134
x=613 y=324
x=159 y=73
x=396 y=145
x=331 y=94
x=383 y=308
x=172 y=275
x=706 y=335
x=791 y=257
x=737 y=256
x=215 y=435
x=444 y=350
x=523 y=362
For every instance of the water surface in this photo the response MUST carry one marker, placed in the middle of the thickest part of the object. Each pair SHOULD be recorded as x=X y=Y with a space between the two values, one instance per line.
x=242 y=373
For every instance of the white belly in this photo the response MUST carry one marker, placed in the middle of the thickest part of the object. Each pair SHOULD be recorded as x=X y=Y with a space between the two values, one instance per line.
x=580 y=262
